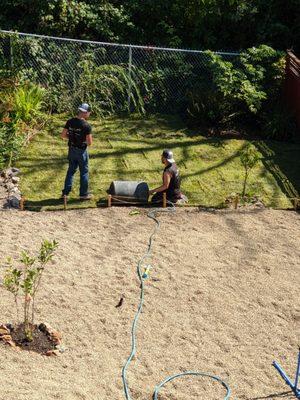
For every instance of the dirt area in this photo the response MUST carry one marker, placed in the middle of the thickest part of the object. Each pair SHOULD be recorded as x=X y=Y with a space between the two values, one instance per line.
x=222 y=298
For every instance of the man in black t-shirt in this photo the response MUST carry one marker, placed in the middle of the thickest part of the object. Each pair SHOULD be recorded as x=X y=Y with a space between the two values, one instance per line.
x=171 y=182
x=78 y=133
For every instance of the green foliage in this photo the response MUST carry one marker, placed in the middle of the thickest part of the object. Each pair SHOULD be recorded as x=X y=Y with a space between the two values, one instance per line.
x=249 y=157
x=27 y=102
x=278 y=122
x=206 y=24
x=108 y=87
x=217 y=92
x=227 y=93
x=25 y=280
x=11 y=142
x=166 y=77
x=20 y=114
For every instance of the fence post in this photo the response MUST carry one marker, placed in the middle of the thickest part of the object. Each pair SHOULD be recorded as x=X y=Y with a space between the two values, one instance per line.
x=11 y=52
x=129 y=74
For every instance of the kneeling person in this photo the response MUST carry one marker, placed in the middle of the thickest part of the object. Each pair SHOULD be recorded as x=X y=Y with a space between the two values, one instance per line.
x=171 y=182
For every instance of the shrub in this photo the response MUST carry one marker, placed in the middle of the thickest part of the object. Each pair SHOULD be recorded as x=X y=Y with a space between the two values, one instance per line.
x=249 y=157
x=27 y=102
x=20 y=118
x=228 y=93
x=11 y=143
x=108 y=87
x=25 y=280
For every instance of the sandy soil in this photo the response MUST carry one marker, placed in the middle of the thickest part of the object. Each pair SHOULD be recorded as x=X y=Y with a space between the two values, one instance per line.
x=223 y=298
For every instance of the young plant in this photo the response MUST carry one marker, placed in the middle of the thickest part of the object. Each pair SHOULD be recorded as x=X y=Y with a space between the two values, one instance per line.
x=249 y=157
x=25 y=281
x=28 y=102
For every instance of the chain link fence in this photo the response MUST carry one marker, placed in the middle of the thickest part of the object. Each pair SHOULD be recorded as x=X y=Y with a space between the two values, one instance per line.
x=114 y=78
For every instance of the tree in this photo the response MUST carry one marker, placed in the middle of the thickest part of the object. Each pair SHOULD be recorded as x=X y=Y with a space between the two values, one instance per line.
x=26 y=279
x=249 y=157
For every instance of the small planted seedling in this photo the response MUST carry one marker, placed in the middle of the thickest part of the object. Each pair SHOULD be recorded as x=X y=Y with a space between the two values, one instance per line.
x=24 y=281
x=249 y=157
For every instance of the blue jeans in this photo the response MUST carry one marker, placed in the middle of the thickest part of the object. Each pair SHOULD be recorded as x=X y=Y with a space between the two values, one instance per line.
x=77 y=158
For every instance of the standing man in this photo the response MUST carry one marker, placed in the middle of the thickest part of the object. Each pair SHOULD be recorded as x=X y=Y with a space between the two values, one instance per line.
x=78 y=133
x=171 y=182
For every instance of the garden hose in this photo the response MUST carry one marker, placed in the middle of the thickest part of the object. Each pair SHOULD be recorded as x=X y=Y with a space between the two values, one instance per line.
x=142 y=276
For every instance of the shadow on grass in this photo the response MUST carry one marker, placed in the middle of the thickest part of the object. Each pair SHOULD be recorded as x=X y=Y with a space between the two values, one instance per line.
x=121 y=169
x=283 y=162
x=118 y=154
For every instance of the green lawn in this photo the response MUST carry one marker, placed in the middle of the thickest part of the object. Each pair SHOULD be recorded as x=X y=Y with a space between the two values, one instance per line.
x=130 y=148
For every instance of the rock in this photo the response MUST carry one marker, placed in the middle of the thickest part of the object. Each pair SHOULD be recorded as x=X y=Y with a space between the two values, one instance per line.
x=259 y=204
x=11 y=343
x=6 y=338
x=51 y=353
x=14 y=202
x=9 y=186
x=10 y=327
x=56 y=337
x=4 y=330
x=60 y=348
x=15 y=179
x=15 y=190
x=44 y=327
x=10 y=172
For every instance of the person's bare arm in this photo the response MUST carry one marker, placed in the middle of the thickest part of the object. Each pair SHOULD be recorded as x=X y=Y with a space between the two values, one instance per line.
x=89 y=139
x=64 y=134
x=164 y=186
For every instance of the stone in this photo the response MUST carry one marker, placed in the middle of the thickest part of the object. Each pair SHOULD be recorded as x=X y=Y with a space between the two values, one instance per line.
x=10 y=327
x=9 y=186
x=56 y=337
x=44 y=327
x=51 y=353
x=4 y=331
x=15 y=179
x=12 y=172
x=16 y=192
x=14 y=202
x=11 y=343
x=6 y=338
x=60 y=348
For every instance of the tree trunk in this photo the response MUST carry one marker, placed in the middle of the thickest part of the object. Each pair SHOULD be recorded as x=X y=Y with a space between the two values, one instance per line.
x=245 y=183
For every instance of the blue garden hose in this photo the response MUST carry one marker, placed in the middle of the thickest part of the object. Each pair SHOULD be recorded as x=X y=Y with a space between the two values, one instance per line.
x=195 y=373
x=147 y=255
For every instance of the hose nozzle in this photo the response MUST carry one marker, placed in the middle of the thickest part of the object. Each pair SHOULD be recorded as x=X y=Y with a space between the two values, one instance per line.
x=146 y=272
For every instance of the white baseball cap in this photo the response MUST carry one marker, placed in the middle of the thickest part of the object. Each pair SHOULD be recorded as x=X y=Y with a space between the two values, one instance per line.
x=84 y=107
x=168 y=154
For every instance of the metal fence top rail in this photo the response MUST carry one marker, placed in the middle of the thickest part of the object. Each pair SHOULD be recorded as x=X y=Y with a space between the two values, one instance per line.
x=116 y=44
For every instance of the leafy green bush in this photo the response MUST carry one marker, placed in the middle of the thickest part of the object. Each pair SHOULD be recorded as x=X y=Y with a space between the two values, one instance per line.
x=108 y=88
x=278 y=122
x=27 y=102
x=227 y=93
x=164 y=79
x=11 y=143
x=20 y=117
x=215 y=92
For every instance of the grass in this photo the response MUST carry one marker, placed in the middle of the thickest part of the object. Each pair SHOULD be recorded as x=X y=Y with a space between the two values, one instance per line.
x=130 y=149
